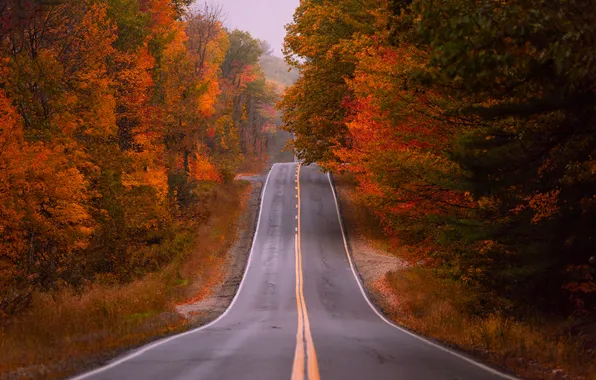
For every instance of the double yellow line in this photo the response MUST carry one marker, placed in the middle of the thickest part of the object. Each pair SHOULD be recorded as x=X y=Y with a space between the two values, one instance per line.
x=305 y=356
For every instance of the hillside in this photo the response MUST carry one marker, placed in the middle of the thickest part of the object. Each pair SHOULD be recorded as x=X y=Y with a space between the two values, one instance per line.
x=278 y=71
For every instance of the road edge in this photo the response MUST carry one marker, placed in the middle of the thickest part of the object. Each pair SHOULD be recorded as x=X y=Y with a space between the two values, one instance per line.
x=143 y=349
x=380 y=313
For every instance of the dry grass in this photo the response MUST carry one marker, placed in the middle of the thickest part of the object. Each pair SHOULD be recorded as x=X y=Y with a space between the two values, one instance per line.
x=62 y=329
x=451 y=312
x=252 y=166
x=63 y=326
x=444 y=310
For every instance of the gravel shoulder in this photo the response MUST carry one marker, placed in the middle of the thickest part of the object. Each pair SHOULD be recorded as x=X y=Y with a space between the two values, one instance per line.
x=372 y=263
x=206 y=299
x=211 y=307
x=190 y=315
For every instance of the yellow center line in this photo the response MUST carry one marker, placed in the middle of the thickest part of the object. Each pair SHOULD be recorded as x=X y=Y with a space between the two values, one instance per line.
x=303 y=335
x=298 y=368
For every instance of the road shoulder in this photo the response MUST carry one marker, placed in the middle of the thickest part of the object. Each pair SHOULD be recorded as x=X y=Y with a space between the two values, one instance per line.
x=202 y=311
x=371 y=262
x=422 y=303
x=211 y=277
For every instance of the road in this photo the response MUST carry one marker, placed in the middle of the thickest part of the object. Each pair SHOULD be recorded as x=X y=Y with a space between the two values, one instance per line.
x=300 y=312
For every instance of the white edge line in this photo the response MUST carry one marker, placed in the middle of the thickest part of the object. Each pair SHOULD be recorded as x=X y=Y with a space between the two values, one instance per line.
x=390 y=323
x=169 y=339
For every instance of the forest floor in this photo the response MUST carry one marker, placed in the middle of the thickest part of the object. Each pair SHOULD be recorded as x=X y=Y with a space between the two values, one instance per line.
x=422 y=301
x=64 y=332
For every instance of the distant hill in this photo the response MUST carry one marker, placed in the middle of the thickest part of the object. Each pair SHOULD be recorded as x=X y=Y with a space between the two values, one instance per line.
x=278 y=71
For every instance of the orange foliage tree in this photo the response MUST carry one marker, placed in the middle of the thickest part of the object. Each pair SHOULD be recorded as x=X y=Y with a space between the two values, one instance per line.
x=112 y=126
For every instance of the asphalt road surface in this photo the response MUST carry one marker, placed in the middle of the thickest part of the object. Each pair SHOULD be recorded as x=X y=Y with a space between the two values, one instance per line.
x=300 y=312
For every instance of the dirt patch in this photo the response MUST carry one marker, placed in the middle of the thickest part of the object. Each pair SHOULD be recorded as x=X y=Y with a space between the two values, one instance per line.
x=209 y=308
x=372 y=264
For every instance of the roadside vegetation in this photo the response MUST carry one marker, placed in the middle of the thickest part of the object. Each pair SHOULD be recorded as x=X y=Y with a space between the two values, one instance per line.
x=68 y=329
x=468 y=128
x=431 y=302
x=533 y=347
x=123 y=124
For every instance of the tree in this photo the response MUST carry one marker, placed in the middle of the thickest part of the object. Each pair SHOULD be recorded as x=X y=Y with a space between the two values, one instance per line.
x=266 y=47
x=530 y=92
x=314 y=44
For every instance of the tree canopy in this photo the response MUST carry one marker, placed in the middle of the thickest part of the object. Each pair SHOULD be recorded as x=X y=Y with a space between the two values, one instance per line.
x=117 y=120
x=468 y=125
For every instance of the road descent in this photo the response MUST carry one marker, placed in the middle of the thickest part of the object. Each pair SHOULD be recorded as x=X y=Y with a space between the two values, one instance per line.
x=300 y=312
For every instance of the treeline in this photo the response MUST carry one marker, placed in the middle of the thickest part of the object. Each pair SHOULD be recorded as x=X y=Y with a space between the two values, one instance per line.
x=118 y=118
x=278 y=71
x=470 y=126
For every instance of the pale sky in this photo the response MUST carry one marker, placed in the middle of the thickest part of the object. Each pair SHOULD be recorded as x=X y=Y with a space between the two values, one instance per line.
x=264 y=19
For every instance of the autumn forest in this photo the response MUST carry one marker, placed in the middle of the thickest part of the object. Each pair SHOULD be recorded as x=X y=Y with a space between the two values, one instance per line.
x=469 y=126
x=118 y=120
x=465 y=130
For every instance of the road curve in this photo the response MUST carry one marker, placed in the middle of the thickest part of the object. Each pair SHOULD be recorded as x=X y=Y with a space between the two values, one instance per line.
x=300 y=312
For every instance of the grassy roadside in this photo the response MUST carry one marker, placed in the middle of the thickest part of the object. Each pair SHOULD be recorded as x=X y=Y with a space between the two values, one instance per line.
x=64 y=331
x=435 y=306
